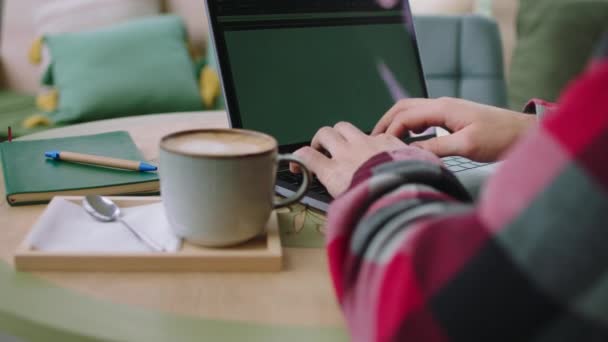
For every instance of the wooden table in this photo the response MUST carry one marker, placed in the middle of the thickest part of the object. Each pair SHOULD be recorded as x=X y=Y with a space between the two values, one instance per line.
x=295 y=304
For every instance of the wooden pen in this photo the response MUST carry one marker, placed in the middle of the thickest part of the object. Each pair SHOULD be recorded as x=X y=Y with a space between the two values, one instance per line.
x=100 y=160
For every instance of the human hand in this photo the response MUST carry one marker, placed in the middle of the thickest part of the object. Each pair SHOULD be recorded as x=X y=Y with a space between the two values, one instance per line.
x=479 y=132
x=337 y=152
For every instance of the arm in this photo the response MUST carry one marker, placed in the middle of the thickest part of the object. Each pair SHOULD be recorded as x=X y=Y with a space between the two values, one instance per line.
x=411 y=260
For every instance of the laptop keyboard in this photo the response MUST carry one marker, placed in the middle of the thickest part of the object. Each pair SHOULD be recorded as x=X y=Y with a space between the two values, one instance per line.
x=295 y=179
x=454 y=164
x=457 y=164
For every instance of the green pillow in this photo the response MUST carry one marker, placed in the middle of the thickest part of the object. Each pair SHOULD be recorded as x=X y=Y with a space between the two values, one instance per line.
x=139 y=67
x=556 y=41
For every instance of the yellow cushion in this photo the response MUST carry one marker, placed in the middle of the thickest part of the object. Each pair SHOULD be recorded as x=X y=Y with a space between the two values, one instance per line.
x=209 y=84
x=48 y=101
x=36 y=121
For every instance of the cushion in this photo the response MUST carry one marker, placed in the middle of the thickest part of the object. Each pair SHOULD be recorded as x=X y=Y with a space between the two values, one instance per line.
x=556 y=40
x=140 y=67
x=210 y=82
x=61 y=16
x=16 y=108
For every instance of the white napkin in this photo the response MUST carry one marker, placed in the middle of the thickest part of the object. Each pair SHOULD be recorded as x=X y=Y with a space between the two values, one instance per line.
x=67 y=227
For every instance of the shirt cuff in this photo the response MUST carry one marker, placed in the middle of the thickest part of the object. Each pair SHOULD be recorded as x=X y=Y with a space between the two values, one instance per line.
x=410 y=170
x=539 y=107
x=365 y=171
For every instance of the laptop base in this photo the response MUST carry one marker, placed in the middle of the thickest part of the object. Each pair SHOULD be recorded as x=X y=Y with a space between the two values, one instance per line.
x=472 y=178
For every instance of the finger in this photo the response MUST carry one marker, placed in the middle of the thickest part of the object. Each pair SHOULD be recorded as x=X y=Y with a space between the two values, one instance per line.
x=349 y=131
x=445 y=146
x=400 y=106
x=416 y=119
x=316 y=162
x=327 y=139
x=387 y=118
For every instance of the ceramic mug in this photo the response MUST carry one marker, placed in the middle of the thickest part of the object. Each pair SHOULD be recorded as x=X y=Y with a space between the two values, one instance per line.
x=217 y=185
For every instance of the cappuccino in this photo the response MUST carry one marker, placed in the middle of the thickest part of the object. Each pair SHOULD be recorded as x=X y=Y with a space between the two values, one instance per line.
x=217 y=143
x=217 y=185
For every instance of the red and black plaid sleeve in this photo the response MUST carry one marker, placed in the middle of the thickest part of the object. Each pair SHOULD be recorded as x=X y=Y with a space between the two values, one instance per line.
x=413 y=260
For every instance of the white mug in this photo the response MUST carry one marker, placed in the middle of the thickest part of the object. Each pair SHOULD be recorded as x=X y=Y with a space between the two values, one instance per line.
x=217 y=185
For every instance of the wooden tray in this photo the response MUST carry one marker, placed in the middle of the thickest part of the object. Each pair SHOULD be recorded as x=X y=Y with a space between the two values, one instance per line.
x=262 y=254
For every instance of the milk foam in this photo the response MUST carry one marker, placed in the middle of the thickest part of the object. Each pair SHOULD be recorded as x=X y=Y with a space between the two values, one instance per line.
x=215 y=147
x=220 y=143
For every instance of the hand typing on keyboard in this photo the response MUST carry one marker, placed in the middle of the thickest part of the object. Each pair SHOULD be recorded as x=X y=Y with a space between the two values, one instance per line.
x=481 y=133
x=348 y=148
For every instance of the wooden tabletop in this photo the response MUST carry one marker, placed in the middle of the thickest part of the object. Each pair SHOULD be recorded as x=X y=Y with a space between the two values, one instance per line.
x=297 y=302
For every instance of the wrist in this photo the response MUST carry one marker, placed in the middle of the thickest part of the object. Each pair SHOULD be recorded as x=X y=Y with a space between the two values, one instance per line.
x=538 y=107
x=527 y=121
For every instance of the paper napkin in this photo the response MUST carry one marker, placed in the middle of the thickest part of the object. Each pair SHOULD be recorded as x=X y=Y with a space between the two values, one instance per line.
x=67 y=227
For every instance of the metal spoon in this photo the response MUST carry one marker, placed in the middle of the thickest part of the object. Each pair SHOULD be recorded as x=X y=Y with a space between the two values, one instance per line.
x=103 y=209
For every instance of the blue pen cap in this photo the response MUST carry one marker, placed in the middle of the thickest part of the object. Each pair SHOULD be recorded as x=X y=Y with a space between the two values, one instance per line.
x=147 y=167
x=52 y=154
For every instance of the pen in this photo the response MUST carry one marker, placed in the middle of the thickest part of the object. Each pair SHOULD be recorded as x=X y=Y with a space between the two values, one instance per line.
x=101 y=161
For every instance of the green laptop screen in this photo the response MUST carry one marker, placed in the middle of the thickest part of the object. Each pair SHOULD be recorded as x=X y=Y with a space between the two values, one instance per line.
x=298 y=68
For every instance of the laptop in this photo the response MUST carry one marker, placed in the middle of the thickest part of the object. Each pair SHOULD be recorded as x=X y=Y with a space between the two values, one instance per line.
x=290 y=67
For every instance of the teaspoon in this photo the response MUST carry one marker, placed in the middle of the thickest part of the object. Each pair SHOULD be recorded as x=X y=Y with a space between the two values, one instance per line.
x=103 y=209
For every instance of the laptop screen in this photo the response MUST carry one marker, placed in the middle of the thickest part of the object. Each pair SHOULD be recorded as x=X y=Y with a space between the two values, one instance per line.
x=290 y=67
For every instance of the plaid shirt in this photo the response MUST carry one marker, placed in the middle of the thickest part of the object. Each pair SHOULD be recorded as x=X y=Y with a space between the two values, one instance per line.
x=412 y=259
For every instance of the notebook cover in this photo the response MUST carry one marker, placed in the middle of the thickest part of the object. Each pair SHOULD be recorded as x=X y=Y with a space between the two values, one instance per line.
x=27 y=170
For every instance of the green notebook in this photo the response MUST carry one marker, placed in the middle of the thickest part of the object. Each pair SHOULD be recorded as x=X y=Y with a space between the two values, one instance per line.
x=30 y=177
